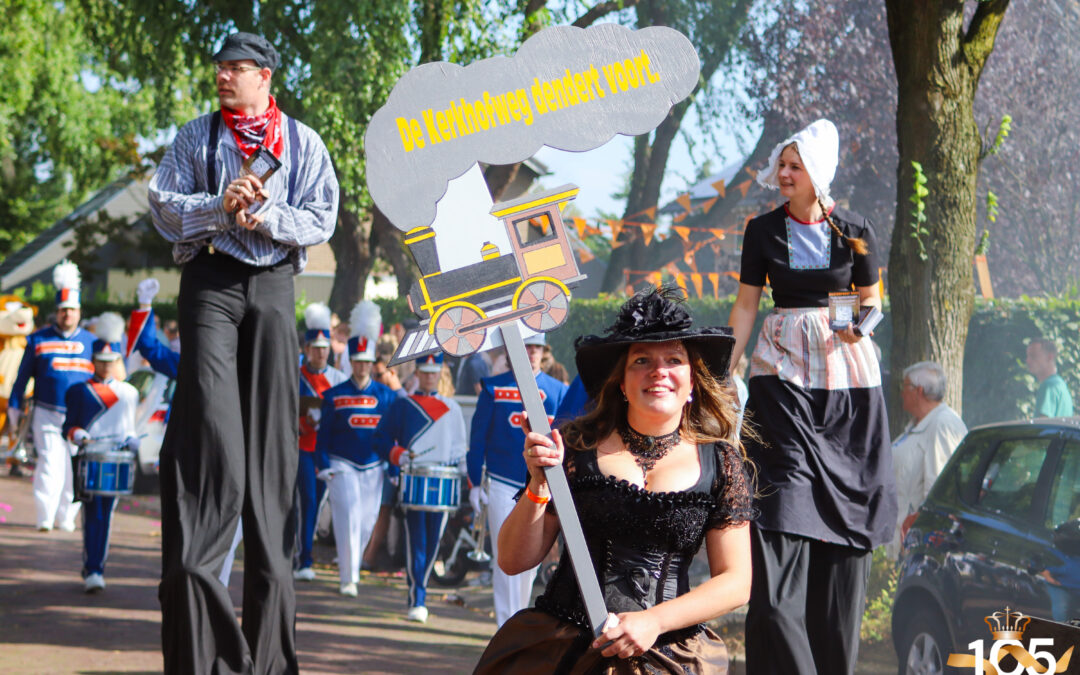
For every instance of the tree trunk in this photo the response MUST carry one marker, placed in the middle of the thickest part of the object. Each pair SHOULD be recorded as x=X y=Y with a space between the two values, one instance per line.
x=938 y=64
x=352 y=256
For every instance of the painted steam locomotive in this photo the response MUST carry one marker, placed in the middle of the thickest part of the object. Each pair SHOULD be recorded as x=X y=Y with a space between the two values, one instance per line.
x=531 y=282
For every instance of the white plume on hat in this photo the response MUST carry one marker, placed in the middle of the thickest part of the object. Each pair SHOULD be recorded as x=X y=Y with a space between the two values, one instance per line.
x=365 y=320
x=819 y=149
x=317 y=316
x=109 y=327
x=66 y=275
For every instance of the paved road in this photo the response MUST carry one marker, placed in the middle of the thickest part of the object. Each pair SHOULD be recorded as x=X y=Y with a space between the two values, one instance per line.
x=48 y=625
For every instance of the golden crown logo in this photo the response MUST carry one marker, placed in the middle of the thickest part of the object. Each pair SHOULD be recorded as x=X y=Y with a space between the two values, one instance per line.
x=1007 y=625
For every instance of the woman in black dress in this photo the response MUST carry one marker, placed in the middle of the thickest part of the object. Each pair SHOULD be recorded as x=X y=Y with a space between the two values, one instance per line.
x=653 y=478
x=823 y=456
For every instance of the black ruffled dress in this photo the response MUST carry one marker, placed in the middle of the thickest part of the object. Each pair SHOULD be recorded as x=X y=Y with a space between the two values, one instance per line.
x=641 y=544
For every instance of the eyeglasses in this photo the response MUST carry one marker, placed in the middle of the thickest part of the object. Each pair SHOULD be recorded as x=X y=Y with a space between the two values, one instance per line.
x=220 y=68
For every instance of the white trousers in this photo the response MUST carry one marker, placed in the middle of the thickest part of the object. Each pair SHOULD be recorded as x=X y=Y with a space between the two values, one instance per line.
x=512 y=593
x=54 y=479
x=355 y=497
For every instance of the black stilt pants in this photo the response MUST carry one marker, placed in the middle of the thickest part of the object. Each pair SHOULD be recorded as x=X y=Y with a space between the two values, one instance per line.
x=230 y=454
x=806 y=605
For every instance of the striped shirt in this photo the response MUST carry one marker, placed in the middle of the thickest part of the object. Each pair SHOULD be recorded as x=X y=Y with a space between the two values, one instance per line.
x=192 y=217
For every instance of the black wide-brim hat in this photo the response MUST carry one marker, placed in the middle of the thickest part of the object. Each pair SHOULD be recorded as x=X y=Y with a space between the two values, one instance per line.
x=651 y=316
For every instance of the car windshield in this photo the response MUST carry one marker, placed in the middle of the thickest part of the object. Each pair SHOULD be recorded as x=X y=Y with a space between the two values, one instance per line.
x=1065 y=491
x=1010 y=479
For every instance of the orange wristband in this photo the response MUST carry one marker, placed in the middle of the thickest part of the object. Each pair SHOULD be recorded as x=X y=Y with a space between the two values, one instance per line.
x=534 y=498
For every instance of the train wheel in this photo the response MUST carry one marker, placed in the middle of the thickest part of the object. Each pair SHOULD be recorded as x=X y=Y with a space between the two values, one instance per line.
x=552 y=305
x=453 y=334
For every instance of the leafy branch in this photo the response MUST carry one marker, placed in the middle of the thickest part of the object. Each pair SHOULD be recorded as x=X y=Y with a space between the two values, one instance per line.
x=918 y=212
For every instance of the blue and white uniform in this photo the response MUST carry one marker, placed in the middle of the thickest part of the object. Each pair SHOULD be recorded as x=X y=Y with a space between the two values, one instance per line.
x=497 y=441
x=104 y=409
x=313 y=384
x=423 y=429
x=344 y=454
x=56 y=362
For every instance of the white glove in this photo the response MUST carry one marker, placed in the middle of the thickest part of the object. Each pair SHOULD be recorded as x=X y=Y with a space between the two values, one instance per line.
x=13 y=415
x=325 y=474
x=314 y=414
x=132 y=444
x=146 y=291
x=477 y=497
x=80 y=437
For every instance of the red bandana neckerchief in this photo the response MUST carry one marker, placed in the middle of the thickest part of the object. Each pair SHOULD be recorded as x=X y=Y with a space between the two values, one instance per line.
x=250 y=131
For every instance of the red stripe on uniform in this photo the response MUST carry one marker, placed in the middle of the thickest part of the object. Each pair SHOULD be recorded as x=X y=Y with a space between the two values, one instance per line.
x=355 y=402
x=364 y=421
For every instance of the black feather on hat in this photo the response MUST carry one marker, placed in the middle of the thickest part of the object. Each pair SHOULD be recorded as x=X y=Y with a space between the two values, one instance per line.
x=657 y=315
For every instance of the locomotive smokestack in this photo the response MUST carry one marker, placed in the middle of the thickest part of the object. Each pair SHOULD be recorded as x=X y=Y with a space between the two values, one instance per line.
x=421 y=243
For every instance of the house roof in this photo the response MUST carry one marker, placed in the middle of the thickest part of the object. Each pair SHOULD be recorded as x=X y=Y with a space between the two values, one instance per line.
x=49 y=247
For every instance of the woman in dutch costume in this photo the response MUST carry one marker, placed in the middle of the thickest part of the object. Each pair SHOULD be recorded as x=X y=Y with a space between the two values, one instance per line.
x=824 y=470
x=653 y=479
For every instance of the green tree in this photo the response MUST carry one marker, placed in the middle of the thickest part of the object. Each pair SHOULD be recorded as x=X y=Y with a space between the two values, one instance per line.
x=939 y=51
x=68 y=122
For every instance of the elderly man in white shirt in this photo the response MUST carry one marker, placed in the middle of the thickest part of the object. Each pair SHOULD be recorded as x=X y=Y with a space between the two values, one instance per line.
x=926 y=444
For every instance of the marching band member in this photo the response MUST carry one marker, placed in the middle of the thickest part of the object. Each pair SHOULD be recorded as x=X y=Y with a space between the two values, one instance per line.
x=101 y=408
x=496 y=440
x=426 y=428
x=316 y=376
x=344 y=453
x=57 y=357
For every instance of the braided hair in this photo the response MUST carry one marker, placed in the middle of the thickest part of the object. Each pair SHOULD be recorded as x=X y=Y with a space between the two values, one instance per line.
x=854 y=243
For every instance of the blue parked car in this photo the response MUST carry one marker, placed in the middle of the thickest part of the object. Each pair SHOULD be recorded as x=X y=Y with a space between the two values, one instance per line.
x=1001 y=526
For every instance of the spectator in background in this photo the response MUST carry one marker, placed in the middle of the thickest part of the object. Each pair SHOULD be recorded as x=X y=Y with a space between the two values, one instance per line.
x=552 y=367
x=339 y=339
x=927 y=442
x=172 y=334
x=473 y=369
x=1053 y=398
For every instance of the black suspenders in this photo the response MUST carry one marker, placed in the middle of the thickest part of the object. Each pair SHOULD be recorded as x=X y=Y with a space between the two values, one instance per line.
x=211 y=156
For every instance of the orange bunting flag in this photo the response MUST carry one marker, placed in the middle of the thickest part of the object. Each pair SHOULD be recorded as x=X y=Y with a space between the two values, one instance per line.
x=753 y=173
x=684 y=200
x=709 y=204
x=585 y=255
x=680 y=279
x=648 y=231
x=714 y=279
x=683 y=232
x=672 y=269
x=589 y=229
x=580 y=225
x=681 y=217
x=720 y=188
x=718 y=232
x=650 y=212
x=656 y=279
x=696 y=279
x=744 y=186
x=616 y=227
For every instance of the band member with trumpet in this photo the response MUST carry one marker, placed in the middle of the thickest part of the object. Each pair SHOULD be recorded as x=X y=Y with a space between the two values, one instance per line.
x=316 y=376
x=344 y=453
x=495 y=441
x=419 y=432
x=57 y=357
x=102 y=408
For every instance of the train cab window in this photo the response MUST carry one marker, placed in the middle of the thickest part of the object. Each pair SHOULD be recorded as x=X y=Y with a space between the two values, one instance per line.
x=534 y=229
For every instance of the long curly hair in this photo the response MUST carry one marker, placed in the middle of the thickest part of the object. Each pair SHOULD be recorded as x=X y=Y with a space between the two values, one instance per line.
x=709 y=417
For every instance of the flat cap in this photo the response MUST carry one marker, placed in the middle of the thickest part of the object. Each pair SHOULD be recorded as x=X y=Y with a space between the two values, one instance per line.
x=243 y=46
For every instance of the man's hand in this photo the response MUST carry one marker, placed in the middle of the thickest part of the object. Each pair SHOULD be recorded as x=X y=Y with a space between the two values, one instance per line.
x=246 y=220
x=477 y=498
x=80 y=437
x=132 y=444
x=13 y=415
x=243 y=192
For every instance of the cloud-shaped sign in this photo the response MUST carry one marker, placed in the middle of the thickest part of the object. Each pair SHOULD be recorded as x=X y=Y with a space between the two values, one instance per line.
x=567 y=88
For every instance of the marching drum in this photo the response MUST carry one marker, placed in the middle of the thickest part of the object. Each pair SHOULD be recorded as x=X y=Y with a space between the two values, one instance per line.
x=106 y=470
x=429 y=487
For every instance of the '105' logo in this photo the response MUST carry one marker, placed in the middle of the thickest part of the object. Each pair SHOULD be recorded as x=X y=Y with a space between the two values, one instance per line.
x=1008 y=628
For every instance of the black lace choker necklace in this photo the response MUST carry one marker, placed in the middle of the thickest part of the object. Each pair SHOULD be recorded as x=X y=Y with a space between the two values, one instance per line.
x=647 y=450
